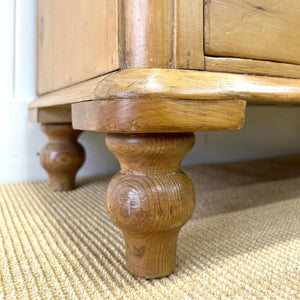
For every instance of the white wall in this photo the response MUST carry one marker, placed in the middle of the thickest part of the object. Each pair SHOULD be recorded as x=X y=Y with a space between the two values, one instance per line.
x=268 y=131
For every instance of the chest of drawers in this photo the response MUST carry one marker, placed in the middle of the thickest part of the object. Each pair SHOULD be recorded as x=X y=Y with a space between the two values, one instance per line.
x=149 y=73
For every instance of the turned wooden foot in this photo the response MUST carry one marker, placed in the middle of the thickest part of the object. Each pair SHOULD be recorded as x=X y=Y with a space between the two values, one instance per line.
x=62 y=156
x=150 y=199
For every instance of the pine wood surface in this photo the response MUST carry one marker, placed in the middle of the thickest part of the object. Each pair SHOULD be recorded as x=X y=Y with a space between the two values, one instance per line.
x=148 y=33
x=150 y=199
x=189 y=34
x=177 y=84
x=52 y=114
x=142 y=116
x=62 y=156
x=114 y=63
x=251 y=66
x=76 y=40
x=79 y=40
x=257 y=29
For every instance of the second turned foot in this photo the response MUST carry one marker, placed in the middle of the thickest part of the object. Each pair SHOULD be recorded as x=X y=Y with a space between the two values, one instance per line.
x=62 y=156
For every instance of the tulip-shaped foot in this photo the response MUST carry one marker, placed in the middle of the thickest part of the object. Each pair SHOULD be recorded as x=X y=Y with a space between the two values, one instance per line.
x=150 y=199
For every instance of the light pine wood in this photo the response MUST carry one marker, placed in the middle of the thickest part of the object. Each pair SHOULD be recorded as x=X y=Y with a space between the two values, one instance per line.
x=77 y=40
x=53 y=114
x=165 y=33
x=62 y=156
x=150 y=199
x=251 y=66
x=148 y=33
x=189 y=34
x=118 y=65
x=79 y=92
x=166 y=115
x=260 y=29
x=177 y=84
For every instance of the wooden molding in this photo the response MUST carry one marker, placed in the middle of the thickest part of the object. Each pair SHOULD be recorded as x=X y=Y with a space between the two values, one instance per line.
x=79 y=40
x=251 y=66
x=189 y=46
x=148 y=33
x=157 y=115
x=53 y=114
x=166 y=34
x=177 y=84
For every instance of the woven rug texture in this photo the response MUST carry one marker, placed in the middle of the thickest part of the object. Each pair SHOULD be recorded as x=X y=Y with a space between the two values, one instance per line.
x=243 y=241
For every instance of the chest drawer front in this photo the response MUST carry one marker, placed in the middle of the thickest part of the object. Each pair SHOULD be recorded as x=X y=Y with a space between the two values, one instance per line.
x=256 y=29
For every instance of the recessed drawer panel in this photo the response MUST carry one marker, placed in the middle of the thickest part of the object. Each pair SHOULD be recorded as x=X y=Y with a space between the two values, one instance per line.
x=257 y=29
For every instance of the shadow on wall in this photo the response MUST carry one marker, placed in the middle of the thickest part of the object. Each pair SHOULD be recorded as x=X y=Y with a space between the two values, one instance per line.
x=269 y=130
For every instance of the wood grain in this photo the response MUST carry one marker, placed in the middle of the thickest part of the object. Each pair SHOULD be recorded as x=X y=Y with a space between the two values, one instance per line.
x=53 y=114
x=167 y=115
x=79 y=92
x=177 y=84
x=77 y=40
x=62 y=156
x=189 y=34
x=148 y=33
x=251 y=66
x=150 y=199
x=257 y=29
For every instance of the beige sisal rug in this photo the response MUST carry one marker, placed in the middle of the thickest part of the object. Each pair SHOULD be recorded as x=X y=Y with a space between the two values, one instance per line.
x=243 y=241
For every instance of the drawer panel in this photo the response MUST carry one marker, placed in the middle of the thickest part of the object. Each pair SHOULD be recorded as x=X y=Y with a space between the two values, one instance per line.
x=77 y=40
x=257 y=29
